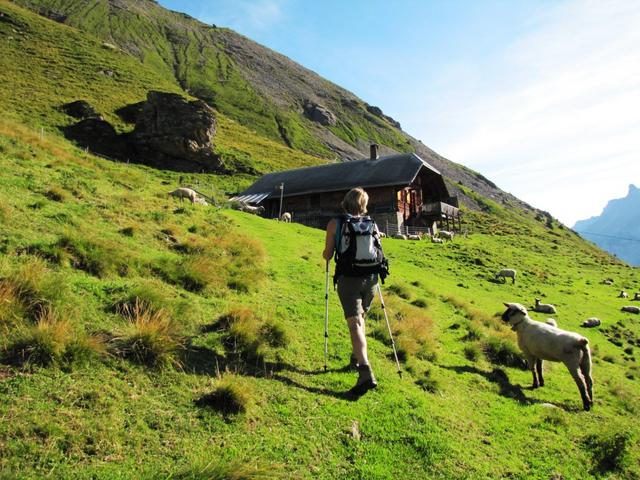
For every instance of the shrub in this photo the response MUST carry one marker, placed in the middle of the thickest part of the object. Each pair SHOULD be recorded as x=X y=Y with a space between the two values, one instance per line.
x=151 y=337
x=502 y=351
x=151 y=294
x=96 y=257
x=231 y=396
x=609 y=450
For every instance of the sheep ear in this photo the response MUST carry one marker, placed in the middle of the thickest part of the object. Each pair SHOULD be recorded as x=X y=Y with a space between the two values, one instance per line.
x=506 y=304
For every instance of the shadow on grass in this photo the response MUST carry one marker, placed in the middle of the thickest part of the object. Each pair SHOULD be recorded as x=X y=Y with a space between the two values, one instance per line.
x=204 y=361
x=499 y=377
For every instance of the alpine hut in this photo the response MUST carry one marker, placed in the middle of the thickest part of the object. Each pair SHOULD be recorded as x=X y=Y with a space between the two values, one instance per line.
x=405 y=193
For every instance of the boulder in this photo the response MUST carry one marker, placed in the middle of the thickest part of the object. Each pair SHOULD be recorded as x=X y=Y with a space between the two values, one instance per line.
x=99 y=136
x=80 y=109
x=319 y=113
x=174 y=133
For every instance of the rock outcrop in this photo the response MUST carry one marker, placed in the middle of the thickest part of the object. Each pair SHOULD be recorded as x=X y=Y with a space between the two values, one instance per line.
x=319 y=113
x=172 y=132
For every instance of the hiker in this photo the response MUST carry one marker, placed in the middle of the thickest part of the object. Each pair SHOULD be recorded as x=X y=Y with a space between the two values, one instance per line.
x=356 y=275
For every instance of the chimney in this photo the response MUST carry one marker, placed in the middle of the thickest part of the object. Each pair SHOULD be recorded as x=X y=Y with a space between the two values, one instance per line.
x=374 y=151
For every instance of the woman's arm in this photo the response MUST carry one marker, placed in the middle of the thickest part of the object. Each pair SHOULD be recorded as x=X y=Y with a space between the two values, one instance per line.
x=330 y=240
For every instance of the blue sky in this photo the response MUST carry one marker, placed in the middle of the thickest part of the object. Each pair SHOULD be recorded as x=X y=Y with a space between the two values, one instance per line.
x=542 y=97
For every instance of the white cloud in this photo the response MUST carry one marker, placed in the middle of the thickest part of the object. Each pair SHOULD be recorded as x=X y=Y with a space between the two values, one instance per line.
x=562 y=130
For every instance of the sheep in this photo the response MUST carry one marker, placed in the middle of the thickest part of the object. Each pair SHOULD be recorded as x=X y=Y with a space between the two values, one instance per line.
x=285 y=217
x=591 y=322
x=551 y=321
x=259 y=210
x=201 y=201
x=539 y=341
x=507 y=272
x=413 y=237
x=544 y=307
x=445 y=235
x=607 y=281
x=436 y=240
x=623 y=294
x=630 y=309
x=400 y=236
x=183 y=193
x=636 y=296
x=382 y=235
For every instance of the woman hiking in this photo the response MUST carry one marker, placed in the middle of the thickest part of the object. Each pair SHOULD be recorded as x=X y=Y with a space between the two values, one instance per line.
x=354 y=238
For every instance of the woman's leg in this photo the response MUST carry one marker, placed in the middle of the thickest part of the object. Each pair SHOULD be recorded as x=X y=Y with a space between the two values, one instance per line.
x=358 y=339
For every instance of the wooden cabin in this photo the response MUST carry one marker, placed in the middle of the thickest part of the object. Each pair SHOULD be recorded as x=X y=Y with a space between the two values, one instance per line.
x=405 y=193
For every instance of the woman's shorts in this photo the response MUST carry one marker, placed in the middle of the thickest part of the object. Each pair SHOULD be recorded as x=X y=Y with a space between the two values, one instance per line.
x=356 y=294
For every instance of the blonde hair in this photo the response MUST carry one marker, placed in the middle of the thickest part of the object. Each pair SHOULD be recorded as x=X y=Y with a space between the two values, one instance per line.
x=355 y=201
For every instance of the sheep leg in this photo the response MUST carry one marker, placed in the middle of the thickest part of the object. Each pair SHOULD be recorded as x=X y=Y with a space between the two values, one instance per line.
x=585 y=368
x=539 y=369
x=579 y=379
x=531 y=362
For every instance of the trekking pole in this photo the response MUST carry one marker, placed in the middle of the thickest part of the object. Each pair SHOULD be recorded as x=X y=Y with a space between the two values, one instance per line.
x=393 y=344
x=326 y=316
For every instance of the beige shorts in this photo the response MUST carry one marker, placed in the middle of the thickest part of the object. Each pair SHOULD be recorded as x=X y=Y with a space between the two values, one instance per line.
x=356 y=294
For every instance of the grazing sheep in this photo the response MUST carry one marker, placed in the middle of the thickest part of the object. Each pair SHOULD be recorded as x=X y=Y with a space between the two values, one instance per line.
x=445 y=235
x=636 y=296
x=607 y=281
x=400 y=236
x=623 y=294
x=544 y=307
x=254 y=210
x=413 y=237
x=285 y=217
x=201 y=201
x=630 y=309
x=539 y=341
x=507 y=272
x=591 y=322
x=436 y=240
x=183 y=193
x=551 y=321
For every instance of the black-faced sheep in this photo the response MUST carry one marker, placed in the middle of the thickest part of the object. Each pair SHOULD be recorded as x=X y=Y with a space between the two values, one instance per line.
x=636 y=296
x=540 y=341
x=623 y=294
x=445 y=235
x=507 y=273
x=544 y=307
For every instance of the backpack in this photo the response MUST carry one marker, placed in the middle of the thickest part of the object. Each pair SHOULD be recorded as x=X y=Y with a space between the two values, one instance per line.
x=358 y=248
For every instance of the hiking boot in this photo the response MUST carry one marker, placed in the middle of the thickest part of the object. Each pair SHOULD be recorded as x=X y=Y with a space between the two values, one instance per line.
x=353 y=362
x=366 y=380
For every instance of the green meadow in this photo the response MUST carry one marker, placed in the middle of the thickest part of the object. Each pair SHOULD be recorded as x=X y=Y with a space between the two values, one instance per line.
x=142 y=337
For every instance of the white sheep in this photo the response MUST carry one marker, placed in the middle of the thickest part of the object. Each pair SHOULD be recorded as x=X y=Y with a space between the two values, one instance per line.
x=551 y=321
x=636 y=296
x=400 y=236
x=540 y=341
x=183 y=193
x=446 y=235
x=607 y=281
x=436 y=240
x=544 y=307
x=413 y=237
x=285 y=217
x=507 y=273
x=201 y=201
x=591 y=322
x=259 y=210
x=630 y=309
x=623 y=294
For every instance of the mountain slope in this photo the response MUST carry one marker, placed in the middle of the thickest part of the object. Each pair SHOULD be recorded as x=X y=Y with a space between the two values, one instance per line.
x=260 y=88
x=617 y=228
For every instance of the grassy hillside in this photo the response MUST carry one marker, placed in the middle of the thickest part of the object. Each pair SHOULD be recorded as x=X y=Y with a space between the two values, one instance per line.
x=144 y=338
x=45 y=64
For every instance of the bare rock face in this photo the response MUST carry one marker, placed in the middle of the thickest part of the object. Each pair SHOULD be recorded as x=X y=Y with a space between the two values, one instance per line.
x=319 y=113
x=172 y=132
x=80 y=109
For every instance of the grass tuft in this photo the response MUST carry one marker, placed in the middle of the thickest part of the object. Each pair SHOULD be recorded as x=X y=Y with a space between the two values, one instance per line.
x=151 y=337
x=232 y=395
x=230 y=470
x=609 y=450
x=502 y=351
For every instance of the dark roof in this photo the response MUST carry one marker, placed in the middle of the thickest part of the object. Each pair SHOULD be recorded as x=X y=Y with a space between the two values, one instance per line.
x=385 y=171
